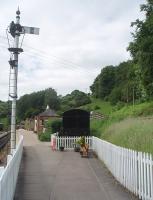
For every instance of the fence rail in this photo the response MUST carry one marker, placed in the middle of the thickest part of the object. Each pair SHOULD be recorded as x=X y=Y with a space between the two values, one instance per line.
x=134 y=170
x=70 y=142
x=9 y=174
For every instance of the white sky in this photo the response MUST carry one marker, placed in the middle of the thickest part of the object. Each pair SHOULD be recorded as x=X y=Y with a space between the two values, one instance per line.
x=77 y=39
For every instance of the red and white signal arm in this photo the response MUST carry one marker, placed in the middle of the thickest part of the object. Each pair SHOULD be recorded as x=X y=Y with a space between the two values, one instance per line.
x=30 y=30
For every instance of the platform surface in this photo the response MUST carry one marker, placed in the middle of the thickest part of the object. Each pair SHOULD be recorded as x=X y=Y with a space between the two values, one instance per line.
x=48 y=175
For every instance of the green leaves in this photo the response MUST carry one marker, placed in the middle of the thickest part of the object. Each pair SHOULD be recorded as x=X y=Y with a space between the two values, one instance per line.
x=117 y=83
x=32 y=104
x=141 y=48
x=74 y=100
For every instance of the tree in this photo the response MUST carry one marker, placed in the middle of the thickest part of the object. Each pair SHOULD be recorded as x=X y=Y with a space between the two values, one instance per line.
x=75 y=99
x=118 y=83
x=32 y=104
x=95 y=87
x=51 y=99
x=80 y=98
x=141 y=48
x=104 y=83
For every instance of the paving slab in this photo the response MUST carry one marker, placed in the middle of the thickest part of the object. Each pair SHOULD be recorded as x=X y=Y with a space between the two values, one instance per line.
x=51 y=175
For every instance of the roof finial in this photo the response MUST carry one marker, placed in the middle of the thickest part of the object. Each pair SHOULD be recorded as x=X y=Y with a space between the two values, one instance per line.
x=18 y=11
x=47 y=108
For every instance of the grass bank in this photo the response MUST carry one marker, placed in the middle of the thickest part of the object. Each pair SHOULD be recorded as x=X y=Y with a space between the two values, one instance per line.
x=133 y=133
x=100 y=106
x=130 y=126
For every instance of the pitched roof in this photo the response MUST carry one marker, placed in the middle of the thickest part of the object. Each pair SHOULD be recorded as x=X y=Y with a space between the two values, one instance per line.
x=48 y=113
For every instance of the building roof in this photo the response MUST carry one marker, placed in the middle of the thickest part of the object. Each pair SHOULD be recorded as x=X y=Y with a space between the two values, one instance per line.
x=48 y=113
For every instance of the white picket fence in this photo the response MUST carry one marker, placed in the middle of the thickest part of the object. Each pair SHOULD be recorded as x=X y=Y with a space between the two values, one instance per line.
x=9 y=174
x=70 y=142
x=134 y=170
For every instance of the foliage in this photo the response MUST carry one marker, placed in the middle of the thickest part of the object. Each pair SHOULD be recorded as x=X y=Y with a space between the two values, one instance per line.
x=133 y=133
x=96 y=107
x=4 y=109
x=98 y=127
x=31 y=112
x=103 y=107
x=4 y=114
x=56 y=125
x=74 y=100
x=142 y=47
x=5 y=122
x=103 y=84
x=106 y=81
x=81 y=141
x=44 y=137
x=30 y=105
x=52 y=126
x=51 y=99
x=118 y=83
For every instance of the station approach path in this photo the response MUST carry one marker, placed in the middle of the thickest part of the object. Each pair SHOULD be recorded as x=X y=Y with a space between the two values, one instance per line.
x=48 y=175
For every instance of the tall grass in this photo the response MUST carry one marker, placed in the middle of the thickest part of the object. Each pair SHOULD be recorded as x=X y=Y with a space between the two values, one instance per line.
x=127 y=127
x=133 y=133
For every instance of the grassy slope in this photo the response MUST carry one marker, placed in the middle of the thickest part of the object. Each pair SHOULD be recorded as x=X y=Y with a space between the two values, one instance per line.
x=104 y=107
x=133 y=133
x=127 y=127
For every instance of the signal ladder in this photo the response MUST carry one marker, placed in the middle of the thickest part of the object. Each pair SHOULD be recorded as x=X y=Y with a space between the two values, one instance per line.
x=13 y=79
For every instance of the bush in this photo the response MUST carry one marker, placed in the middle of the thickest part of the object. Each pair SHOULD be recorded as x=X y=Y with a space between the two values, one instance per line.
x=44 y=137
x=53 y=126
x=96 y=107
x=119 y=105
x=56 y=126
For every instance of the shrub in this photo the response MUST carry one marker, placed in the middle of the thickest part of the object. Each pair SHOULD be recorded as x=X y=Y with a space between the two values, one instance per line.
x=96 y=107
x=56 y=125
x=53 y=126
x=44 y=136
x=119 y=105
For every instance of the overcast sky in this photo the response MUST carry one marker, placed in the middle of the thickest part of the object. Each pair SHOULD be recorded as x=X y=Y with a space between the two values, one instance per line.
x=77 y=39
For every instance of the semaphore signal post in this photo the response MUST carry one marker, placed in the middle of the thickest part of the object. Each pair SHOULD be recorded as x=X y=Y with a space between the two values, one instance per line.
x=16 y=30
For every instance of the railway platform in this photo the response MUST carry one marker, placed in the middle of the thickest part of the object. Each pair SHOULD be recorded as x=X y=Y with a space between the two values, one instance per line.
x=52 y=175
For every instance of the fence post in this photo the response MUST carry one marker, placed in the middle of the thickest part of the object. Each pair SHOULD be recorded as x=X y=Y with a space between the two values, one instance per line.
x=151 y=175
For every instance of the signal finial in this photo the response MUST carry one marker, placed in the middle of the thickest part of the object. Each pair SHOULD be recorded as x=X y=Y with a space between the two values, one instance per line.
x=18 y=11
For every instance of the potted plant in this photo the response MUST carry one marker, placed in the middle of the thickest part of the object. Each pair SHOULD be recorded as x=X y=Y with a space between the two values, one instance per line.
x=81 y=143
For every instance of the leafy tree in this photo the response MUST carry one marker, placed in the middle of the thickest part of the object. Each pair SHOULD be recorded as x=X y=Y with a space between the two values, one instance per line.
x=95 y=87
x=74 y=100
x=30 y=105
x=31 y=112
x=106 y=81
x=51 y=98
x=119 y=83
x=4 y=109
x=80 y=98
x=141 y=48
